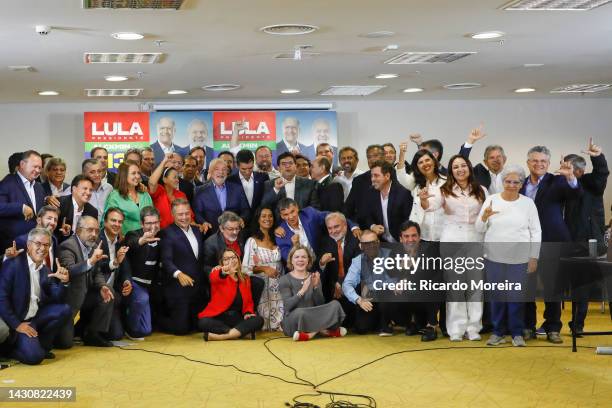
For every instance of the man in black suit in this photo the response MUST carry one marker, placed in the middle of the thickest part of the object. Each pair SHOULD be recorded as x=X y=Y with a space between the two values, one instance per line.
x=185 y=286
x=302 y=190
x=291 y=142
x=189 y=181
x=336 y=252
x=388 y=203
x=488 y=173
x=251 y=182
x=101 y=154
x=75 y=206
x=88 y=292
x=331 y=194
x=355 y=206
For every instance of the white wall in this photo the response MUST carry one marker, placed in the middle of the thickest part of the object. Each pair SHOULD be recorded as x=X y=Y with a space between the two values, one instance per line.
x=563 y=125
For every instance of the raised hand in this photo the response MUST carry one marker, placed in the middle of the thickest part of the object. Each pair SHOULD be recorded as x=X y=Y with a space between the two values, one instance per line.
x=416 y=138
x=278 y=183
x=424 y=196
x=488 y=213
x=12 y=251
x=476 y=134
x=98 y=254
x=65 y=228
x=295 y=239
x=121 y=254
x=326 y=258
x=147 y=238
x=592 y=149
x=566 y=169
x=61 y=273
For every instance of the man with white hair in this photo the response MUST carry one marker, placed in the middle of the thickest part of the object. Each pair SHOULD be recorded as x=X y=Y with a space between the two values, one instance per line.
x=166 y=130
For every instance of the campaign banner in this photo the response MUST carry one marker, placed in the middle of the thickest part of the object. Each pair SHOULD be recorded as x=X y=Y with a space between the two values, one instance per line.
x=259 y=129
x=117 y=132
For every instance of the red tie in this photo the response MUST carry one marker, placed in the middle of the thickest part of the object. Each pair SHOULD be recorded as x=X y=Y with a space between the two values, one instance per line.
x=340 y=260
x=48 y=261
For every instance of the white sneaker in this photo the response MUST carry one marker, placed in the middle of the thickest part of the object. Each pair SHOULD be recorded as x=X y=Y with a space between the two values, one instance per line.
x=456 y=338
x=134 y=338
x=474 y=337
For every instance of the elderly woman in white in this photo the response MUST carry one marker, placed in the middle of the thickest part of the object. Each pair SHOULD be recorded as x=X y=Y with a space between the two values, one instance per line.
x=512 y=219
x=460 y=200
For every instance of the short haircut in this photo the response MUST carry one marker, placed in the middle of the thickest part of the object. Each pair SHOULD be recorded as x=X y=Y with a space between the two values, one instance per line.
x=89 y=162
x=302 y=157
x=228 y=216
x=367 y=232
x=435 y=146
x=296 y=248
x=285 y=203
x=84 y=219
x=193 y=149
x=323 y=161
x=385 y=167
x=263 y=147
x=189 y=157
x=28 y=153
x=133 y=151
x=38 y=231
x=214 y=163
x=324 y=144
x=409 y=224
x=78 y=179
x=13 y=161
x=47 y=208
x=339 y=215
x=245 y=156
x=146 y=149
x=226 y=152
x=491 y=148
x=284 y=156
x=513 y=169
x=93 y=151
x=115 y=210
x=372 y=147
x=179 y=201
x=349 y=148
x=539 y=149
x=577 y=161
x=55 y=161
x=389 y=145
x=148 y=211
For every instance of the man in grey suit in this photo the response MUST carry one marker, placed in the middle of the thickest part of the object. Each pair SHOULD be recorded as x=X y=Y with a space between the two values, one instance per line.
x=288 y=185
x=87 y=292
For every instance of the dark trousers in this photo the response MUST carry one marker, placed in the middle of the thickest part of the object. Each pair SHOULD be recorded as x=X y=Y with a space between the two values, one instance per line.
x=552 y=316
x=95 y=316
x=377 y=319
x=138 y=311
x=507 y=309
x=47 y=322
x=579 y=310
x=423 y=313
x=179 y=314
x=223 y=323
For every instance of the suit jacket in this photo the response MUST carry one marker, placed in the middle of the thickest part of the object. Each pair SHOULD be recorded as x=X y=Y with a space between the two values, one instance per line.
x=177 y=255
x=110 y=178
x=329 y=276
x=553 y=193
x=354 y=205
x=15 y=290
x=67 y=211
x=207 y=208
x=331 y=195
x=137 y=262
x=120 y=274
x=47 y=188
x=21 y=242
x=399 y=206
x=305 y=150
x=481 y=173
x=13 y=196
x=159 y=152
x=305 y=193
x=82 y=278
x=259 y=180
x=214 y=247
x=188 y=188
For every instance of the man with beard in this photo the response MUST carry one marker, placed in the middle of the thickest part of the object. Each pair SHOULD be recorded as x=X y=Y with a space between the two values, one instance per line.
x=348 y=163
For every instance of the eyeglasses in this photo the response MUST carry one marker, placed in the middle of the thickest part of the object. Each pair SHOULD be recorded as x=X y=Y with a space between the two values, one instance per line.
x=235 y=229
x=513 y=182
x=150 y=224
x=38 y=244
x=229 y=258
x=92 y=229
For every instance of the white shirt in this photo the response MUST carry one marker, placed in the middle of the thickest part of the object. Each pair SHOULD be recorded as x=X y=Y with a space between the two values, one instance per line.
x=290 y=148
x=29 y=186
x=323 y=179
x=347 y=182
x=301 y=233
x=290 y=188
x=99 y=196
x=273 y=173
x=34 y=288
x=384 y=202
x=76 y=216
x=59 y=193
x=112 y=255
x=248 y=186
x=193 y=242
x=431 y=222
x=497 y=185
x=167 y=149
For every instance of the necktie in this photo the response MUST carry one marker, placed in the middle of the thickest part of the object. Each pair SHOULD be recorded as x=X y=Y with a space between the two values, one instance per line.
x=48 y=261
x=340 y=260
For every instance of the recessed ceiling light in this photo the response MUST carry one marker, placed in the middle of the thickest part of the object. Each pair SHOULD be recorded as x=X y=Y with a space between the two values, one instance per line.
x=413 y=90
x=386 y=76
x=532 y=65
x=220 y=87
x=115 y=78
x=177 y=92
x=524 y=90
x=48 y=93
x=290 y=91
x=487 y=35
x=127 y=36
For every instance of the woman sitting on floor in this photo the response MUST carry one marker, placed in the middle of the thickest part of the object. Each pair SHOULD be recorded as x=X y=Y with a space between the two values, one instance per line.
x=306 y=312
x=230 y=312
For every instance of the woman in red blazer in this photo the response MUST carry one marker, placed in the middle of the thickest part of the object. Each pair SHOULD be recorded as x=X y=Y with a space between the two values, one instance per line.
x=230 y=314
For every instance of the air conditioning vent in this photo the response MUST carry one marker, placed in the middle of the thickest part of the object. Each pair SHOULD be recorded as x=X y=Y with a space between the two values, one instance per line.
x=122 y=58
x=352 y=90
x=291 y=55
x=21 y=68
x=133 y=4
x=461 y=86
x=113 y=92
x=428 y=57
x=554 y=5
x=221 y=87
x=582 y=88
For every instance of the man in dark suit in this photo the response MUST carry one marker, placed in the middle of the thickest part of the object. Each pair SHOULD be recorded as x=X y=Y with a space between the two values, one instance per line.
x=550 y=194
x=166 y=131
x=189 y=181
x=20 y=199
x=336 y=251
x=355 y=206
x=185 y=286
x=31 y=300
x=288 y=185
x=388 y=203
x=101 y=154
x=142 y=267
x=211 y=200
x=88 y=292
x=290 y=142
x=331 y=194
x=115 y=277
x=75 y=206
x=203 y=155
x=251 y=182
x=331 y=152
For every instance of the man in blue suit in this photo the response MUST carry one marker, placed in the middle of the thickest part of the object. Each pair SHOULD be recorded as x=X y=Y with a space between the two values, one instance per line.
x=290 y=142
x=251 y=182
x=185 y=286
x=31 y=300
x=20 y=198
x=166 y=130
x=550 y=193
x=305 y=226
x=212 y=199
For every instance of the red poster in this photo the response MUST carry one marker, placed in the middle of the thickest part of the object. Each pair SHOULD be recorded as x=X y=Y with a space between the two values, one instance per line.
x=113 y=127
x=260 y=129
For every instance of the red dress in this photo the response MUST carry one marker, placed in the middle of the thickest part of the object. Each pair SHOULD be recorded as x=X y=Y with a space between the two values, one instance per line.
x=162 y=202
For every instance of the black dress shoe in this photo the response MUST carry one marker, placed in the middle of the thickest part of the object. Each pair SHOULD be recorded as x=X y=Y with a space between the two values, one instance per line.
x=411 y=329
x=252 y=335
x=95 y=340
x=205 y=336
x=49 y=355
x=430 y=334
